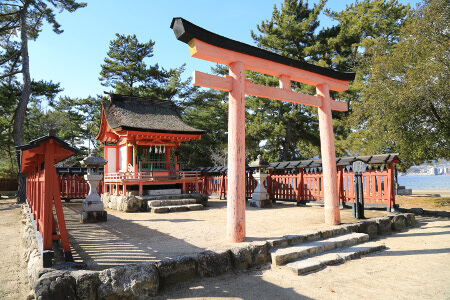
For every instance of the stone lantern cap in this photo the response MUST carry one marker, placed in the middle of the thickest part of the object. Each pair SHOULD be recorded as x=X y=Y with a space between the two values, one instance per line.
x=259 y=163
x=94 y=159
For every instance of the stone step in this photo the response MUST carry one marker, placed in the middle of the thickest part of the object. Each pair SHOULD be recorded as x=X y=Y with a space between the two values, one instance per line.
x=169 y=202
x=334 y=257
x=175 y=208
x=282 y=256
x=165 y=197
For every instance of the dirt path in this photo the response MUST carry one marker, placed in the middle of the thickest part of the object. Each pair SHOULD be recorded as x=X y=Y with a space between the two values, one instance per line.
x=416 y=265
x=13 y=275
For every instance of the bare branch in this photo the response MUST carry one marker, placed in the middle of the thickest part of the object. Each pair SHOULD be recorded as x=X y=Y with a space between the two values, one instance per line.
x=10 y=74
x=10 y=14
x=11 y=4
x=9 y=58
x=9 y=28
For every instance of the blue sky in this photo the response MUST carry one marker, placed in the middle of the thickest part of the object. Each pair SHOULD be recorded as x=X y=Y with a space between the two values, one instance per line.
x=73 y=58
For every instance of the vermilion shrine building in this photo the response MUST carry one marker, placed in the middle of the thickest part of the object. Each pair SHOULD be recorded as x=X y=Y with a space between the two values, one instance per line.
x=140 y=137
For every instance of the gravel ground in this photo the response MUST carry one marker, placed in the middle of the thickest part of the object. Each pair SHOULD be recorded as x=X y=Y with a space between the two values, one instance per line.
x=135 y=237
x=416 y=265
x=13 y=275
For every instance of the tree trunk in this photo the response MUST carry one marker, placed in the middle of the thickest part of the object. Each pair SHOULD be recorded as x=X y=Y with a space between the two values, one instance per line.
x=19 y=116
x=287 y=141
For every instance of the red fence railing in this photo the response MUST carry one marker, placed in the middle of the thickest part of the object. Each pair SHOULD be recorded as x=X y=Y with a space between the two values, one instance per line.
x=307 y=185
x=74 y=186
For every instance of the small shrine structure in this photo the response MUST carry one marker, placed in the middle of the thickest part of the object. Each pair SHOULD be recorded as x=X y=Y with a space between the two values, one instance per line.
x=140 y=137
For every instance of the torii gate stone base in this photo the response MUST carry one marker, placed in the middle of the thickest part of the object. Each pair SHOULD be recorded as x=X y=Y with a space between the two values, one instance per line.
x=239 y=57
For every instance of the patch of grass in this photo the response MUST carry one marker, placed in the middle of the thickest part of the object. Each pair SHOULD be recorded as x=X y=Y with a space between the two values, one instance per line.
x=428 y=203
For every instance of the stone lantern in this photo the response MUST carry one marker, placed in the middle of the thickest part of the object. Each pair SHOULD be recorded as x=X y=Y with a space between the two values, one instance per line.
x=260 y=197
x=92 y=211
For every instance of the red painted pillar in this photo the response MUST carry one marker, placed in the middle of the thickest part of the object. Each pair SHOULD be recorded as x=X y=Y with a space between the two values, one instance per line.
x=341 y=185
x=331 y=198
x=236 y=155
x=130 y=151
x=47 y=208
x=390 y=187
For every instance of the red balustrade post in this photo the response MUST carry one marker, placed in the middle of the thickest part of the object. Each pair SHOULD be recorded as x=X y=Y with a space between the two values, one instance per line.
x=300 y=186
x=391 y=187
x=340 y=181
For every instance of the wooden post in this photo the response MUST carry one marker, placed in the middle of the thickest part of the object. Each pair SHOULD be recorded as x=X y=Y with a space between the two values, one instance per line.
x=331 y=199
x=300 y=186
x=390 y=187
x=47 y=209
x=341 y=186
x=129 y=158
x=236 y=155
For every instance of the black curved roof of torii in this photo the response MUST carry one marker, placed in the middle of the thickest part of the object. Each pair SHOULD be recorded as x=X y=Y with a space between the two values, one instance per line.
x=186 y=31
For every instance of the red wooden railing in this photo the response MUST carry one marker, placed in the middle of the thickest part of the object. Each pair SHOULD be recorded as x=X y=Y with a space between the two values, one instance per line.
x=307 y=185
x=301 y=185
x=43 y=194
x=74 y=186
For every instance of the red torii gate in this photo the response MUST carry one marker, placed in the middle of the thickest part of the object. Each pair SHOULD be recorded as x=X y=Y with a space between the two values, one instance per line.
x=239 y=57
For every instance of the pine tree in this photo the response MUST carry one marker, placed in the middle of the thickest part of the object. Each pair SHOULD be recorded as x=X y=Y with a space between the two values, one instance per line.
x=286 y=131
x=126 y=71
x=26 y=17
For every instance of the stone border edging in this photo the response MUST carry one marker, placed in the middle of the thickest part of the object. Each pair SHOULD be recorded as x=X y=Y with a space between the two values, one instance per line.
x=144 y=280
x=427 y=213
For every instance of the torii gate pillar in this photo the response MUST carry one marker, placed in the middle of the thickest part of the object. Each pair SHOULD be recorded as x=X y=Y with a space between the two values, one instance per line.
x=236 y=155
x=331 y=198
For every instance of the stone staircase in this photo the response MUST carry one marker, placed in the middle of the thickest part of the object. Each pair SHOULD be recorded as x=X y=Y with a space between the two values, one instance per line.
x=314 y=255
x=172 y=203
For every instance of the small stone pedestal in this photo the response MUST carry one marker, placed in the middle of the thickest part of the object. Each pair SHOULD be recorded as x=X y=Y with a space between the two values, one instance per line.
x=92 y=211
x=260 y=197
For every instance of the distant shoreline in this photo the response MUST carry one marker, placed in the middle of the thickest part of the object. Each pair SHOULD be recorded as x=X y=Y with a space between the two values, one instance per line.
x=443 y=193
x=407 y=175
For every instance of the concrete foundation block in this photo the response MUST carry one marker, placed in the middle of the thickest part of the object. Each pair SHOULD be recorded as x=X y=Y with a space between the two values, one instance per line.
x=261 y=203
x=93 y=216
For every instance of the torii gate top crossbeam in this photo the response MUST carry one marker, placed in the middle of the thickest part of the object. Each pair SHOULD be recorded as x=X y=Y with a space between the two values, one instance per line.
x=213 y=47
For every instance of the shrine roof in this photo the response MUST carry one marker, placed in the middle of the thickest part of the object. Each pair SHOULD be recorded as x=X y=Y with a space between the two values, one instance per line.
x=378 y=159
x=145 y=114
x=33 y=151
x=185 y=31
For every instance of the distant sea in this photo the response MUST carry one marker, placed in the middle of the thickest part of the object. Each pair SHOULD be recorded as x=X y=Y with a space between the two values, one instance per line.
x=436 y=182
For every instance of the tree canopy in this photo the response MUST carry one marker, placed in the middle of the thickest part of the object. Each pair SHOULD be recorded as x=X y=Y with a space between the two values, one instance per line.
x=126 y=71
x=21 y=20
x=405 y=103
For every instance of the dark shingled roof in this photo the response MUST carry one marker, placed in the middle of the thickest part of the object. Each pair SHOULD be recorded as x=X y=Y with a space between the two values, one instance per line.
x=377 y=159
x=144 y=114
